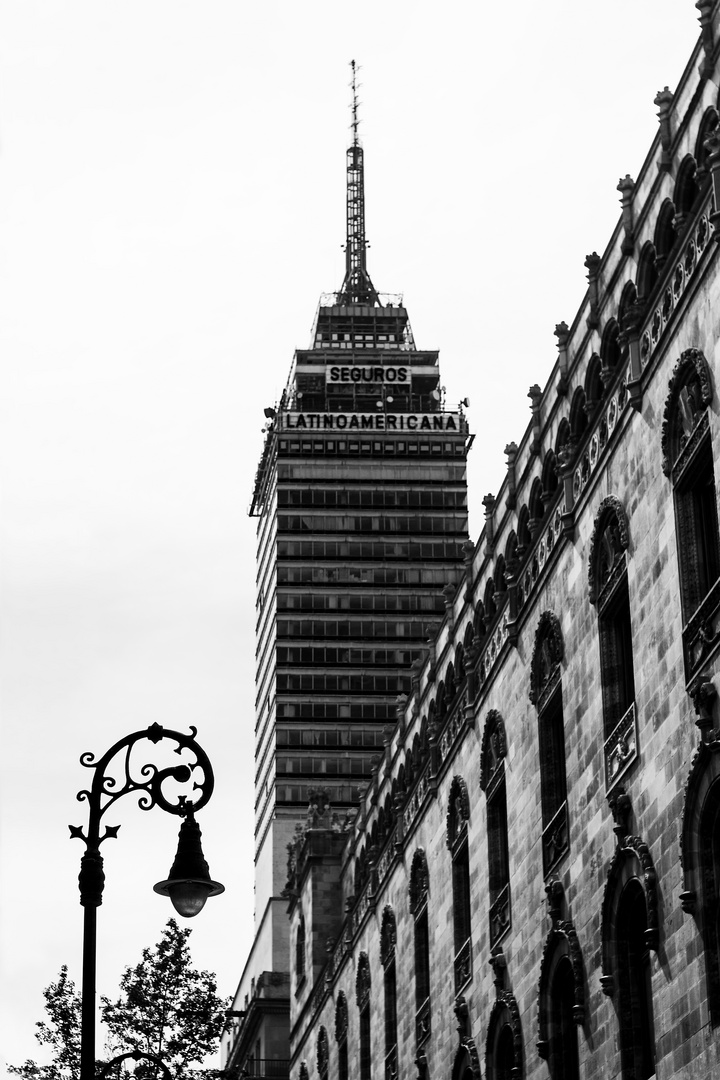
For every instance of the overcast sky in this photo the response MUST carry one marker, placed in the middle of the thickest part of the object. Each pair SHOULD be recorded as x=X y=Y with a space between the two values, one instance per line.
x=171 y=207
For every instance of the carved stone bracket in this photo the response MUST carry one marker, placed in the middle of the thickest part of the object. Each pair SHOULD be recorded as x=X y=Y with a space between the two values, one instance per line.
x=626 y=187
x=592 y=265
x=664 y=99
x=703 y=696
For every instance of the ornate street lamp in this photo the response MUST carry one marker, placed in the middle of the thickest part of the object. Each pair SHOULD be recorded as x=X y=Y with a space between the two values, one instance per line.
x=189 y=884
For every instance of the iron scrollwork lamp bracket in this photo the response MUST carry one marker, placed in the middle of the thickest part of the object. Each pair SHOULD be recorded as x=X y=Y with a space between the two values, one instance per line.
x=189 y=883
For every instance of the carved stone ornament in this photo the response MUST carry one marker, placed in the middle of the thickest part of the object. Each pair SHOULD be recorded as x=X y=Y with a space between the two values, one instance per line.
x=462 y=1014
x=504 y=1013
x=609 y=539
x=703 y=775
x=419 y=881
x=703 y=696
x=323 y=1052
x=690 y=393
x=632 y=859
x=547 y=653
x=341 y=1018
x=494 y=748
x=388 y=936
x=458 y=811
x=466 y=1060
x=362 y=981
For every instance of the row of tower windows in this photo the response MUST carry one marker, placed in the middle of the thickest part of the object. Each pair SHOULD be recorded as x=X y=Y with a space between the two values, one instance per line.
x=372 y=629
x=330 y=737
x=378 y=523
x=303 y=682
x=440 y=498
x=334 y=710
x=296 y=654
x=303 y=601
x=408 y=550
x=389 y=447
x=361 y=575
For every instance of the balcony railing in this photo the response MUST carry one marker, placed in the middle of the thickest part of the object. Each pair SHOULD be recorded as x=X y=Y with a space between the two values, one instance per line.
x=463 y=965
x=500 y=915
x=555 y=839
x=265 y=1069
x=621 y=748
x=391 y=1064
x=422 y=1022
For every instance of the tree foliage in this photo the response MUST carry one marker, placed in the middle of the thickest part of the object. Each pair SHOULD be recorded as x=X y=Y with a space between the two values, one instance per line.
x=165 y=1008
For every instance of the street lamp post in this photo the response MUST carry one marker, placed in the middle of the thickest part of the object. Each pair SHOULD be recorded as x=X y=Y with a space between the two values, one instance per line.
x=189 y=884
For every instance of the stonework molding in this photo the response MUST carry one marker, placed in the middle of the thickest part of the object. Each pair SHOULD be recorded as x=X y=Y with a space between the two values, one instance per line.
x=362 y=981
x=610 y=517
x=419 y=881
x=632 y=859
x=547 y=653
x=467 y=1060
x=323 y=1052
x=504 y=1013
x=458 y=811
x=691 y=370
x=341 y=1018
x=704 y=772
x=494 y=748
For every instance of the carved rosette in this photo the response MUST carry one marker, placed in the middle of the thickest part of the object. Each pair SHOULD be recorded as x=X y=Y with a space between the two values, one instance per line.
x=341 y=1018
x=611 y=514
x=458 y=811
x=692 y=367
x=494 y=748
x=548 y=651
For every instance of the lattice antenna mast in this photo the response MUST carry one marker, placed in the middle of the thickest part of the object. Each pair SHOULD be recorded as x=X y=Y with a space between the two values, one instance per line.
x=357 y=288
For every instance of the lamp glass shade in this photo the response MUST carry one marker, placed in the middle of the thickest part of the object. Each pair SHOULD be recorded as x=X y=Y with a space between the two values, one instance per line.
x=189 y=883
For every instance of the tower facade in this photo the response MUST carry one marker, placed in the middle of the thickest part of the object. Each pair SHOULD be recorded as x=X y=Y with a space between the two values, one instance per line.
x=361 y=506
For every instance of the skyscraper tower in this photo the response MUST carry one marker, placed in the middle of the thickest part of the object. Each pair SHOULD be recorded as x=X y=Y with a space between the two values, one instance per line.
x=361 y=505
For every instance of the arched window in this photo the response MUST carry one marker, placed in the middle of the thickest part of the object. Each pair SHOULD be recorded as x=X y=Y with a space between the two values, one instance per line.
x=688 y=460
x=700 y=840
x=362 y=994
x=610 y=352
x=457 y=841
x=466 y=1065
x=323 y=1054
x=341 y=1035
x=492 y=782
x=419 y=885
x=708 y=124
x=608 y=590
x=594 y=391
x=546 y=695
x=300 y=950
x=503 y=1050
x=578 y=415
x=686 y=192
x=665 y=235
x=536 y=508
x=647 y=274
x=523 y=532
x=561 y=993
x=629 y=932
x=388 y=938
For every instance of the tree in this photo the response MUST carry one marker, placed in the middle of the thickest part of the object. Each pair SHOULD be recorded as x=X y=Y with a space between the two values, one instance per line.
x=166 y=1008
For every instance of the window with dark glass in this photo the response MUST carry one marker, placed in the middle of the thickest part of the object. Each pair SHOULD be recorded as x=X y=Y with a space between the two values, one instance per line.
x=563 y=1051
x=609 y=592
x=637 y=1042
x=341 y=1035
x=457 y=841
x=419 y=910
x=300 y=953
x=688 y=461
x=492 y=782
x=546 y=695
x=388 y=936
x=362 y=987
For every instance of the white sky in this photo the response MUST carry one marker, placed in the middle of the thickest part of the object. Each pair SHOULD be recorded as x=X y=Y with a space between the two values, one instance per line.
x=171 y=207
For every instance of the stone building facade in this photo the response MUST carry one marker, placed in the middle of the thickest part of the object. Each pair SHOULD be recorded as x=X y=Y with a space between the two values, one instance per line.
x=531 y=884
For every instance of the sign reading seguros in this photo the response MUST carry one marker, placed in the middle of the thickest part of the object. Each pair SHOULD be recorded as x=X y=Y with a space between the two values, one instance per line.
x=367 y=373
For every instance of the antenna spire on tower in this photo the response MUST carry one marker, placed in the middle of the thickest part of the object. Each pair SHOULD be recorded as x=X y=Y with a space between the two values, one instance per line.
x=357 y=288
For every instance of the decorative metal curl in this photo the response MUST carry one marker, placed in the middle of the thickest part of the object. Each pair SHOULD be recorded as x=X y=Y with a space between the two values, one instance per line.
x=149 y=784
x=136 y=1055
